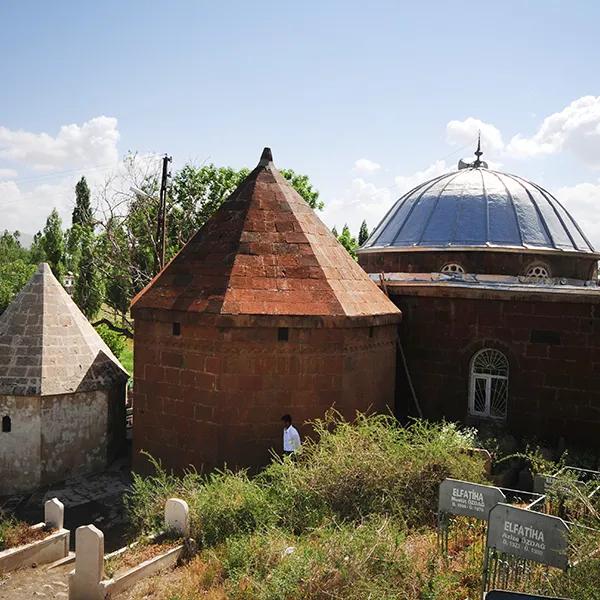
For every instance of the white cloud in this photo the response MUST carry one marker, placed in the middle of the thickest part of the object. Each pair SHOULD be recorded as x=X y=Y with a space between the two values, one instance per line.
x=88 y=149
x=576 y=128
x=405 y=183
x=582 y=201
x=365 y=165
x=461 y=133
x=7 y=174
x=27 y=209
x=366 y=201
x=363 y=200
x=92 y=143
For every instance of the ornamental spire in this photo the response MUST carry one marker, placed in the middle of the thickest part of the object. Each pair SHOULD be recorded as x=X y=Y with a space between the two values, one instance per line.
x=478 y=153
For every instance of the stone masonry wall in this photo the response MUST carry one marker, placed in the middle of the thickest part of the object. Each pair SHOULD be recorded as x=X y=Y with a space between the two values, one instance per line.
x=553 y=347
x=489 y=262
x=74 y=434
x=20 y=465
x=52 y=438
x=216 y=395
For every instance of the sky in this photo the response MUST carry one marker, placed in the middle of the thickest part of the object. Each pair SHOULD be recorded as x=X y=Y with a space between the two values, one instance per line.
x=368 y=99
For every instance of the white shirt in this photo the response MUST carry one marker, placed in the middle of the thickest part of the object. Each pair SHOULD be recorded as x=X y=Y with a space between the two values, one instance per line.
x=291 y=439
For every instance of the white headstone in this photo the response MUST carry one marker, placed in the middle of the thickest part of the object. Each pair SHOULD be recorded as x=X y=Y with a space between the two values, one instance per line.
x=177 y=516
x=84 y=581
x=54 y=513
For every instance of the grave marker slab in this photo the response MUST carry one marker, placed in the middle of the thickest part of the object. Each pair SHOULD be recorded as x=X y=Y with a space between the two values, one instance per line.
x=529 y=535
x=468 y=499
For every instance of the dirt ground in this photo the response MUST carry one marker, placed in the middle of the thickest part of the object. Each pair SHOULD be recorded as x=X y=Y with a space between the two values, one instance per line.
x=36 y=582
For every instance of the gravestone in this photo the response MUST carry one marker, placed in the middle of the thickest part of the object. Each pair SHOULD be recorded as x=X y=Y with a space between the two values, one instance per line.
x=84 y=581
x=54 y=513
x=528 y=535
x=468 y=499
x=177 y=516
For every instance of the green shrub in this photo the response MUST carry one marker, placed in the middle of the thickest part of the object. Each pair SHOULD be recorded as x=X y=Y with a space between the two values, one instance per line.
x=370 y=466
x=145 y=501
x=112 y=339
x=229 y=504
x=221 y=504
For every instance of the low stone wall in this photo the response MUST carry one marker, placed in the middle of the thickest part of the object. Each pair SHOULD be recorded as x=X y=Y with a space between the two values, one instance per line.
x=50 y=549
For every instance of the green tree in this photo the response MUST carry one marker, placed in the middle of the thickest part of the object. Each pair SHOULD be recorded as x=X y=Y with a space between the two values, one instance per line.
x=54 y=244
x=363 y=234
x=10 y=247
x=82 y=212
x=302 y=184
x=13 y=276
x=335 y=231
x=349 y=242
x=88 y=293
x=37 y=254
x=128 y=247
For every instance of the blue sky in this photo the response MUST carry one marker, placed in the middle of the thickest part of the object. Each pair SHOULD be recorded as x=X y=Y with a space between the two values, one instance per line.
x=401 y=86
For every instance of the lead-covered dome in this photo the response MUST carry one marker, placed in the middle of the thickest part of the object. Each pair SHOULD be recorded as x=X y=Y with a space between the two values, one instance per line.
x=476 y=207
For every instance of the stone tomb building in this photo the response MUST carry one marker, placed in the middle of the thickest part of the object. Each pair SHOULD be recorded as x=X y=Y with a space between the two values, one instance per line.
x=261 y=313
x=62 y=392
x=498 y=286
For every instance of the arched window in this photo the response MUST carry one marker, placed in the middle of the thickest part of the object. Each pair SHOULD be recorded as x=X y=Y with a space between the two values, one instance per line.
x=6 y=424
x=452 y=268
x=538 y=271
x=488 y=391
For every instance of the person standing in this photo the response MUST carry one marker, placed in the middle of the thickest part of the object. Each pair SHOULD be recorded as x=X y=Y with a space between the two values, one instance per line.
x=291 y=437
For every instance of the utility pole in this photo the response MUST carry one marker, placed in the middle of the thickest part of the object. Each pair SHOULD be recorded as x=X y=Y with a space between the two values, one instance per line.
x=161 y=229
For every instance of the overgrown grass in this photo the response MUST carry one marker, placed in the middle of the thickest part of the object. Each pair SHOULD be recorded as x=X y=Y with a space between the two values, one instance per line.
x=351 y=517
x=15 y=533
x=126 y=357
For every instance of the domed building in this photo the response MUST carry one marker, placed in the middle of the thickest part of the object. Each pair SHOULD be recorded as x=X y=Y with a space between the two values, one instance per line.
x=498 y=286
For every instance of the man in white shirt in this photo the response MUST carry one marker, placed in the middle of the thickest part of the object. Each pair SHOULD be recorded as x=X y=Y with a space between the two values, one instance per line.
x=291 y=437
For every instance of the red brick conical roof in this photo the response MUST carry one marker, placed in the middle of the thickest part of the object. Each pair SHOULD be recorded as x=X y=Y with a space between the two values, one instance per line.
x=265 y=252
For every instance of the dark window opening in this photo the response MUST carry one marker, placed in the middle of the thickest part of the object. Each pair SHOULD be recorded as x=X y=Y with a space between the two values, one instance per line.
x=6 y=424
x=540 y=336
x=176 y=328
x=371 y=331
x=283 y=334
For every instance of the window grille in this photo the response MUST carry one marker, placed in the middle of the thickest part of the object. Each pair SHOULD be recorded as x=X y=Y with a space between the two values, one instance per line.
x=488 y=391
x=452 y=268
x=538 y=271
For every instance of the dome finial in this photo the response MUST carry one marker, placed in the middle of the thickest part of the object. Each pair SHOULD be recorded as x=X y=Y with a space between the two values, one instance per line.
x=478 y=162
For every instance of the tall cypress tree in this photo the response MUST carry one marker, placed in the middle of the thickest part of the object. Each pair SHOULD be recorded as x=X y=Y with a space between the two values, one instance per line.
x=54 y=244
x=88 y=293
x=363 y=234
x=82 y=213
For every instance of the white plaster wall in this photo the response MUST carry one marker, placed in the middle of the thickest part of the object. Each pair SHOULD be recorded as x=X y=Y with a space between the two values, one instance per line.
x=20 y=468
x=74 y=434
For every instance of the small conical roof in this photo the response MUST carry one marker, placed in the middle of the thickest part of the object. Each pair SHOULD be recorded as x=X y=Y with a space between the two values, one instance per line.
x=265 y=252
x=48 y=347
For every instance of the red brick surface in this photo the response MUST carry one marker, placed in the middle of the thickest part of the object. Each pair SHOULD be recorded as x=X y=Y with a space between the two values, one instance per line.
x=223 y=401
x=554 y=389
x=265 y=252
